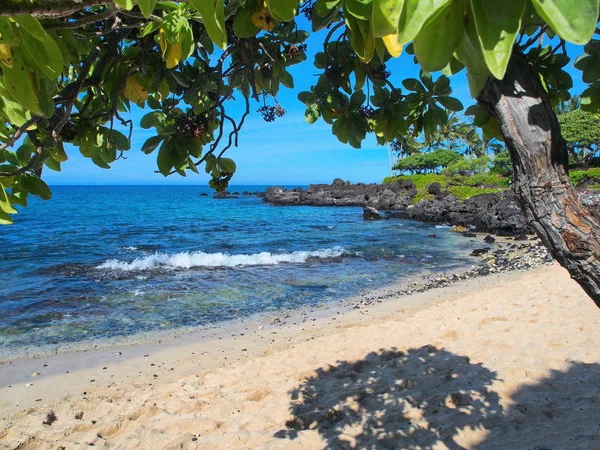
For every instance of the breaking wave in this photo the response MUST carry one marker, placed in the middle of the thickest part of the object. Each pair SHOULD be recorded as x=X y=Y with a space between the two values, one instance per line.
x=187 y=260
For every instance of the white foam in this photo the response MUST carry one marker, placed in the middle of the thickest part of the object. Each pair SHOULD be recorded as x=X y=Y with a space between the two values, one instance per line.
x=187 y=260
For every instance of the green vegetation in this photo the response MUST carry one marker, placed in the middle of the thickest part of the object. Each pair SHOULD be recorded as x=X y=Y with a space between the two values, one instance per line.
x=465 y=192
x=581 y=130
x=583 y=177
x=460 y=186
x=466 y=186
x=430 y=162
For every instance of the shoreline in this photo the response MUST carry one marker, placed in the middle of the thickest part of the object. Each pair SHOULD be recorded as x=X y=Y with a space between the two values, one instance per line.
x=414 y=283
x=506 y=357
x=37 y=372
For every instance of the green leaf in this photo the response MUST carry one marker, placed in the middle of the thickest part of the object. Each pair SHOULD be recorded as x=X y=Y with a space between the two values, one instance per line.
x=190 y=146
x=284 y=10
x=312 y=113
x=126 y=4
x=164 y=160
x=450 y=103
x=19 y=82
x=53 y=164
x=5 y=219
x=361 y=9
x=147 y=121
x=227 y=165
x=119 y=140
x=213 y=17
x=453 y=67
x=361 y=38
x=574 y=21
x=100 y=162
x=497 y=25
x=320 y=21
x=58 y=153
x=412 y=84
x=24 y=153
x=5 y=204
x=415 y=15
x=242 y=24
x=45 y=56
x=590 y=99
x=437 y=41
x=477 y=71
x=146 y=6
x=36 y=186
x=306 y=97
x=480 y=117
x=386 y=14
x=151 y=144
x=442 y=86
x=32 y=26
x=357 y=99
x=172 y=25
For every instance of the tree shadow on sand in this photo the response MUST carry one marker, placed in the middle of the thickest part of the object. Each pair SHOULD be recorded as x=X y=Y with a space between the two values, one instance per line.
x=392 y=400
x=563 y=409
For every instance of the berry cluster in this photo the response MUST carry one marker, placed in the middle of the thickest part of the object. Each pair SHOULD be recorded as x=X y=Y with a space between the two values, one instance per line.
x=270 y=113
x=192 y=125
x=293 y=51
x=381 y=72
x=307 y=9
x=367 y=111
x=68 y=133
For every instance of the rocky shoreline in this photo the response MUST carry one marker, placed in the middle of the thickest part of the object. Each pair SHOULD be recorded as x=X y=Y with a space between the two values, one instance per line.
x=505 y=254
x=497 y=213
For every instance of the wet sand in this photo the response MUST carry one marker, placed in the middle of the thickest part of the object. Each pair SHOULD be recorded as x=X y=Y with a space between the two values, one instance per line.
x=505 y=361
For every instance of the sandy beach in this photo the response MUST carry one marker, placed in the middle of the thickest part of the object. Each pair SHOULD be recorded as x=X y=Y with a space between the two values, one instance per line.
x=507 y=361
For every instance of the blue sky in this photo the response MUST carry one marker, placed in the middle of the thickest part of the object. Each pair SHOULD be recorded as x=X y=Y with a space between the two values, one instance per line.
x=288 y=151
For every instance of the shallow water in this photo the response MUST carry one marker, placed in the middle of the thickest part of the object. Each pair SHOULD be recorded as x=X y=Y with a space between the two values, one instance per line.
x=104 y=261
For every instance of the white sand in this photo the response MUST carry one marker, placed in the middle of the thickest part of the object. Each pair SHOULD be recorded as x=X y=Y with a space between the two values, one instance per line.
x=503 y=362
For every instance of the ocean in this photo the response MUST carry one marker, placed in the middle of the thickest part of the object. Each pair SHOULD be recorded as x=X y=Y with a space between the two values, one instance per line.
x=102 y=262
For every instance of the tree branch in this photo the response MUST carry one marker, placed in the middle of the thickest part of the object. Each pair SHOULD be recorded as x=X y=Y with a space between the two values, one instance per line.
x=48 y=8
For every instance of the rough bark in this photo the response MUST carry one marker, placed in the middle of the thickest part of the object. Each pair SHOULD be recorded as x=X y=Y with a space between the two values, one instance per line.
x=47 y=8
x=541 y=180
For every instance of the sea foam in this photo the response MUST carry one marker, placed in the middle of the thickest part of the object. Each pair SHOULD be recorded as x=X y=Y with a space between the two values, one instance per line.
x=187 y=260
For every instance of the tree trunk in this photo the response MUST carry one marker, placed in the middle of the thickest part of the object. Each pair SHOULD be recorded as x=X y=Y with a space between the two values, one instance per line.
x=541 y=181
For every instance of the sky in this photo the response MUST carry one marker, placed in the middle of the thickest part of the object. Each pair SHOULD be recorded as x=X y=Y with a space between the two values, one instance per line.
x=288 y=151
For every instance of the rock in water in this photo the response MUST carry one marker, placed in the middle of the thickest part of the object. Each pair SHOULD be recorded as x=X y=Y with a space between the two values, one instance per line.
x=392 y=196
x=458 y=229
x=489 y=239
x=370 y=213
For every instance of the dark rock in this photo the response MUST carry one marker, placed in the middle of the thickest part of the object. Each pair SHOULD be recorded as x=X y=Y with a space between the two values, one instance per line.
x=226 y=194
x=521 y=236
x=432 y=235
x=498 y=213
x=50 y=418
x=434 y=188
x=479 y=251
x=370 y=213
x=489 y=239
x=394 y=214
x=393 y=196
x=469 y=235
x=203 y=194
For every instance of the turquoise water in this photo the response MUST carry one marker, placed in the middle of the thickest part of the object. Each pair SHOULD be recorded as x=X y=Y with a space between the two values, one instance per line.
x=102 y=262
